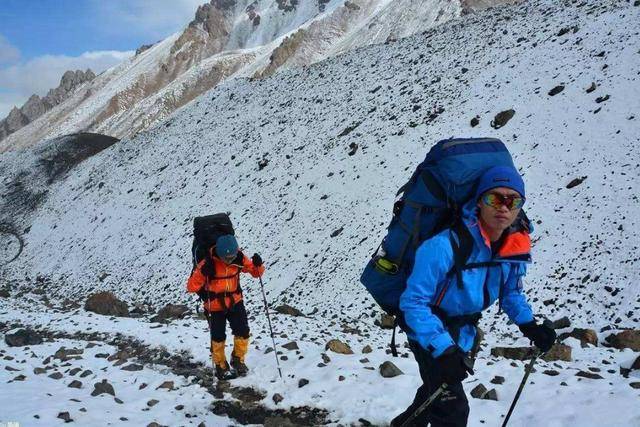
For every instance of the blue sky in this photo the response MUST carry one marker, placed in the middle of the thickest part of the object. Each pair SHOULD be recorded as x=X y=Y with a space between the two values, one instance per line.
x=41 y=39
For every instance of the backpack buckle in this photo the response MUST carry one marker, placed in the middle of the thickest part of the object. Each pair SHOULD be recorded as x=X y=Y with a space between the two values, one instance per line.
x=386 y=266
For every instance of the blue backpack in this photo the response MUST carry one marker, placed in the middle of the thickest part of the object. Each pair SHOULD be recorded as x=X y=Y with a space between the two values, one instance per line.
x=430 y=202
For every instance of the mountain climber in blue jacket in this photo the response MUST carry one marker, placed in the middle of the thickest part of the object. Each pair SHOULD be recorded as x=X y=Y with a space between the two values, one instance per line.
x=445 y=295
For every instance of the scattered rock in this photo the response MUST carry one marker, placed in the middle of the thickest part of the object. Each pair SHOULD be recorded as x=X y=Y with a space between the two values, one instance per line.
x=338 y=346
x=337 y=232
x=75 y=384
x=367 y=349
x=585 y=336
x=592 y=87
x=636 y=364
x=20 y=378
x=166 y=385
x=475 y=121
x=287 y=309
x=625 y=339
x=386 y=321
x=86 y=373
x=132 y=367
x=171 y=312
x=56 y=375
x=551 y=372
x=107 y=304
x=103 y=387
x=277 y=398
x=291 y=345
x=635 y=385
x=556 y=90
x=389 y=370
x=590 y=375
x=325 y=358
x=497 y=380
x=353 y=149
x=119 y=355
x=303 y=382
x=39 y=371
x=479 y=391
x=502 y=119
x=491 y=395
x=558 y=352
x=22 y=338
x=65 y=417
x=575 y=182
x=563 y=322
x=152 y=403
x=64 y=354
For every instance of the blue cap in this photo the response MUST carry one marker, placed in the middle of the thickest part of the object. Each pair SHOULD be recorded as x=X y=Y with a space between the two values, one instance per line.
x=500 y=176
x=226 y=246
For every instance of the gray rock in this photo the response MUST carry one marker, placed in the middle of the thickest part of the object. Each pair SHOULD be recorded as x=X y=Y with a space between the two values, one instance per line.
x=152 y=403
x=551 y=372
x=590 y=375
x=65 y=417
x=585 y=336
x=389 y=370
x=491 y=395
x=102 y=388
x=64 y=354
x=303 y=382
x=636 y=364
x=502 y=118
x=171 y=312
x=497 y=380
x=288 y=310
x=22 y=338
x=367 y=349
x=166 y=385
x=291 y=345
x=107 y=304
x=338 y=346
x=635 y=385
x=562 y=323
x=625 y=339
x=479 y=391
x=86 y=373
x=132 y=367
x=277 y=398
x=75 y=384
x=56 y=375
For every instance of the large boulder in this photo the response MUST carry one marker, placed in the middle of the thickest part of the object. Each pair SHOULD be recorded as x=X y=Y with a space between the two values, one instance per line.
x=107 y=304
x=625 y=339
x=23 y=337
x=338 y=346
x=389 y=370
x=557 y=352
x=585 y=336
x=171 y=312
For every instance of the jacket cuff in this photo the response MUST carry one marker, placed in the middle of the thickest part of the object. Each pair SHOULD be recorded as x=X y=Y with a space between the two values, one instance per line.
x=440 y=343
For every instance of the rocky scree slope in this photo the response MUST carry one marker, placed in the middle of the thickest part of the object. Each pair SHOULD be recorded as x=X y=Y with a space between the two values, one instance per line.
x=242 y=38
x=308 y=161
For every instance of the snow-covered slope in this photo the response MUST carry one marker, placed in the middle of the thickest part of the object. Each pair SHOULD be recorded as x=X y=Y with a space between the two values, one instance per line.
x=230 y=39
x=308 y=161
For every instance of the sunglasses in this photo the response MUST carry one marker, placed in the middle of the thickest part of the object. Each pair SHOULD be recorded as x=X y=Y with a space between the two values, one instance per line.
x=496 y=201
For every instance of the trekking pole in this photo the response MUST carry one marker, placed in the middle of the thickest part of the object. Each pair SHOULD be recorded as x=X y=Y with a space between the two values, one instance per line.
x=266 y=309
x=528 y=370
x=424 y=405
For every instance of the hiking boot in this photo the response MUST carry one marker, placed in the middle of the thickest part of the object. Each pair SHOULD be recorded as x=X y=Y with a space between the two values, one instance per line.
x=239 y=366
x=224 y=372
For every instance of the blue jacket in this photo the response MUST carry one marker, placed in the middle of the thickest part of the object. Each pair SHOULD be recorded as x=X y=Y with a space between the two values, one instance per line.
x=482 y=286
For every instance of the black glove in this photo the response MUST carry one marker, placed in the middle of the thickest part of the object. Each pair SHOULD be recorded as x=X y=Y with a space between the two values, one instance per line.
x=257 y=261
x=543 y=336
x=452 y=366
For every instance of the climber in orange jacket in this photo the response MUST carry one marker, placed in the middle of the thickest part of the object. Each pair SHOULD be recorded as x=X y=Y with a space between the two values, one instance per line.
x=216 y=279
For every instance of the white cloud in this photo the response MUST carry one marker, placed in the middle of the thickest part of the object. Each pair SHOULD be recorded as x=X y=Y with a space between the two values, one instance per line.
x=8 y=52
x=38 y=75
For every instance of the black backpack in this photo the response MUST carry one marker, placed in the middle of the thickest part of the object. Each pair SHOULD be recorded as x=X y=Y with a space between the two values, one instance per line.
x=206 y=230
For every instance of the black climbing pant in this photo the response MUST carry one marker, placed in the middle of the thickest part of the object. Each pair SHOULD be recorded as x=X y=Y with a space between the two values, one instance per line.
x=237 y=318
x=451 y=409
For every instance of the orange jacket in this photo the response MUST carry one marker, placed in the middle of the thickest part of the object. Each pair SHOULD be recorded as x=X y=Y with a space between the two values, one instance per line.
x=223 y=290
